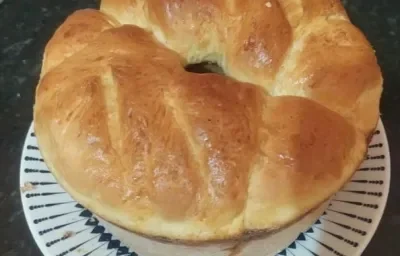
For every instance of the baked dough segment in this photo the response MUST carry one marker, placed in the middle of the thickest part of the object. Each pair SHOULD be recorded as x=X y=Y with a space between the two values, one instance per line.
x=136 y=165
x=306 y=153
x=332 y=63
x=77 y=30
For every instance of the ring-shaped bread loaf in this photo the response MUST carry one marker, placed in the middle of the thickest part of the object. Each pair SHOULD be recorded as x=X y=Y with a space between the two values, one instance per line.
x=146 y=145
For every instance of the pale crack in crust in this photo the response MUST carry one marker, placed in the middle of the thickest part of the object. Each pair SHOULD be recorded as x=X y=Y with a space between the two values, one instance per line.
x=177 y=108
x=110 y=91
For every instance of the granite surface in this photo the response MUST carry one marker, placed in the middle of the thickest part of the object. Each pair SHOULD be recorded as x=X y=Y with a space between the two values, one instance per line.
x=25 y=26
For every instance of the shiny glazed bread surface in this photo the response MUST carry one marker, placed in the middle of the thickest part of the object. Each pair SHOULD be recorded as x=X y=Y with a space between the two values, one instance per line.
x=203 y=157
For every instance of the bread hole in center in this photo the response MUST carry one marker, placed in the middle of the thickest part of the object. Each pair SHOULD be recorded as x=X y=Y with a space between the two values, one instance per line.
x=204 y=67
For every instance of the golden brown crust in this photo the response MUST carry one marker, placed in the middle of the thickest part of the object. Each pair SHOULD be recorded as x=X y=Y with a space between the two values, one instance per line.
x=203 y=157
x=77 y=30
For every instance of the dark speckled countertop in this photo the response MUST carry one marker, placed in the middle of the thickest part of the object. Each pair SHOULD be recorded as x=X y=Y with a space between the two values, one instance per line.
x=25 y=26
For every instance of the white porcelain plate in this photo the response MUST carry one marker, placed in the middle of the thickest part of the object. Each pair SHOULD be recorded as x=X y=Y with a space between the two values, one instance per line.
x=62 y=227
